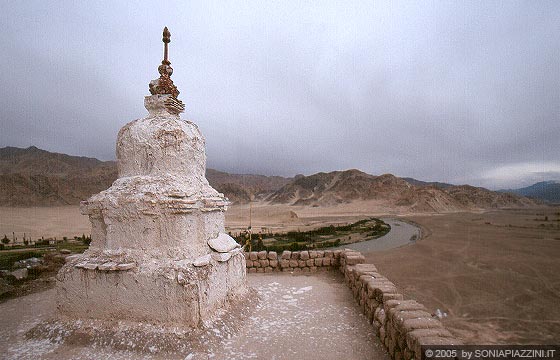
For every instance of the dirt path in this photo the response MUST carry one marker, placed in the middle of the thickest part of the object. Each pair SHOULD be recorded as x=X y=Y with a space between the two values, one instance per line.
x=303 y=317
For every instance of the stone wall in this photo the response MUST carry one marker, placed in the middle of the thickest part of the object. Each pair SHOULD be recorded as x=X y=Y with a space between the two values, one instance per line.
x=292 y=261
x=403 y=326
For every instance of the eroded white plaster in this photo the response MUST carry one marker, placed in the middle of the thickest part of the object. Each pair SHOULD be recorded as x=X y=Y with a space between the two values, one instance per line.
x=150 y=258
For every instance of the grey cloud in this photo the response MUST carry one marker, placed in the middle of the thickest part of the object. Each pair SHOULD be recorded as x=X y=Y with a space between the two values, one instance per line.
x=441 y=91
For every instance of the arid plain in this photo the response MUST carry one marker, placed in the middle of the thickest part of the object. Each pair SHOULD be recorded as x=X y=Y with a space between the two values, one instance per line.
x=495 y=274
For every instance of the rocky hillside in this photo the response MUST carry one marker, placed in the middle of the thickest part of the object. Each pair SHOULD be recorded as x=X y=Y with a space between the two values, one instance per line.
x=33 y=161
x=475 y=197
x=241 y=188
x=421 y=183
x=35 y=177
x=339 y=187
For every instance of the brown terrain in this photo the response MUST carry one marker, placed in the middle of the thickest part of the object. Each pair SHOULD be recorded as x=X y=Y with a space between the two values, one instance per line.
x=35 y=177
x=495 y=273
x=242 y=188
x=339 y=187
x=493 y=270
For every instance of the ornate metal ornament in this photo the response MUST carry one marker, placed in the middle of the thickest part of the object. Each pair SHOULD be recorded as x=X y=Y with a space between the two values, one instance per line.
x=164 y=85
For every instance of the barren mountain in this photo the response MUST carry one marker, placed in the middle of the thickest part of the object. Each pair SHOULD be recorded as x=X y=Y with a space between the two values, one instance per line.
x=34 y=161
x=470 y=197
x=548 y=191
x=421 y=183
x=338 y=187
x=242 y=188
x=346 y=186
x=35 y=177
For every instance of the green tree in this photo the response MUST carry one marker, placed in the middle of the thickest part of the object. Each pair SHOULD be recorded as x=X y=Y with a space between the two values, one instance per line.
x=5 y=239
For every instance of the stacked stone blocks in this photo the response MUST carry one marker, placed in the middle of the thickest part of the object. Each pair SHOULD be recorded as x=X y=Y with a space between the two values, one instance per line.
x=292 y=261
x=403 y=326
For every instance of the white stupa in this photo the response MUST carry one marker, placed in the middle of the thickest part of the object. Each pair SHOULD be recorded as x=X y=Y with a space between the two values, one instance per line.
x=159 y=252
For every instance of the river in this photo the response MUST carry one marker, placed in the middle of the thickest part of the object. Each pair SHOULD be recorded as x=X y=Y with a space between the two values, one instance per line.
x=402 y=233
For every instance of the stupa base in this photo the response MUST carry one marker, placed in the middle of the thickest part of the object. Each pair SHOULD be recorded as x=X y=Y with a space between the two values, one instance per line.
x=139 y=338
x=151 y=290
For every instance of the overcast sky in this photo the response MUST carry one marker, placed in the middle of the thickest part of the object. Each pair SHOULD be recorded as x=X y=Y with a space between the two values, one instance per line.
x=462 y=92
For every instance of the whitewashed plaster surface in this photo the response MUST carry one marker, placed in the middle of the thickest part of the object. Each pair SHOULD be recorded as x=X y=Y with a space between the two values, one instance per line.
x=150 y=227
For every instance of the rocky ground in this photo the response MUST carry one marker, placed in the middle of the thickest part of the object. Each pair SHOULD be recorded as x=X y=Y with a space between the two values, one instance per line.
x=30 y=275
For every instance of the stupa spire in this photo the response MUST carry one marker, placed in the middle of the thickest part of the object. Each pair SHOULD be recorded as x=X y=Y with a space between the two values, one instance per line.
x=166 y=40
x=164 y=85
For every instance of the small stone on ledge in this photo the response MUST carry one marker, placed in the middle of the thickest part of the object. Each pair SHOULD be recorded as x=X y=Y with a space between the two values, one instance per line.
x=127 y=266
x=90 y=266
x=80 y=265
x=221 y=257
x=223 y=243
x=181 y=278
x=72 y=257
x=202 y=261
x=108 y=266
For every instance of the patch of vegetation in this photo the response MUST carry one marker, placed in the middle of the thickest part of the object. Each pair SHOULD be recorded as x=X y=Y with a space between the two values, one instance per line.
x=323 y=237
x=72 y=246
x=10 y=255
x=79 y=243
x=8 y=258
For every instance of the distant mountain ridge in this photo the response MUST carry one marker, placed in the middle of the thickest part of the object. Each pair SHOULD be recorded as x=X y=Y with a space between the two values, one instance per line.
x=35 y=177
x=34 y=161
x=340 y=187
x=242 y=188
x=548 y=191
